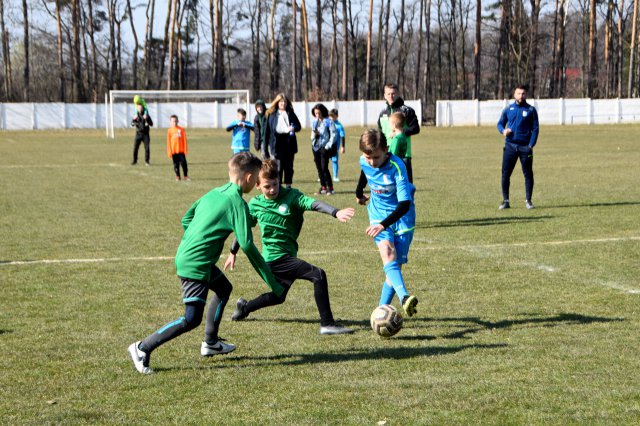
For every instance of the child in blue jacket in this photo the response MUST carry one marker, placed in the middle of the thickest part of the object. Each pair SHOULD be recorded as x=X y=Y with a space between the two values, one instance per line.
x=241 y=137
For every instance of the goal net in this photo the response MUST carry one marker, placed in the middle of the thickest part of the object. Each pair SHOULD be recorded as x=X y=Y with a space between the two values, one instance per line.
x=194 y=108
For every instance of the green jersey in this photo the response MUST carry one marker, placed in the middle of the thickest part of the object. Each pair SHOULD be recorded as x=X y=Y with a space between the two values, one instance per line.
x=398 y=145
x=207 y=224
x=280 y=221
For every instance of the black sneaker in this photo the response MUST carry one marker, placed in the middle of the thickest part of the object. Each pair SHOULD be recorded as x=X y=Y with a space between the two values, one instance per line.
x=504 y=205
x=239 y=314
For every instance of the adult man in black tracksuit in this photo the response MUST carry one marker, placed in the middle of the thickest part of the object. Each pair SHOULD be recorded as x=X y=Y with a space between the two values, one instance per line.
x=411 y=127
x=142 y=122
x=519 y=124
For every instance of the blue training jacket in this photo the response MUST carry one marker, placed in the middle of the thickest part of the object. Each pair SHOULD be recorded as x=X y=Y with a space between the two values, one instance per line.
x=523 y=122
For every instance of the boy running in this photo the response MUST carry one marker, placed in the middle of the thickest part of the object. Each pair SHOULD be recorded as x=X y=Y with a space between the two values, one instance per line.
x=279 y=212
x=392 y=213
x=207 y=224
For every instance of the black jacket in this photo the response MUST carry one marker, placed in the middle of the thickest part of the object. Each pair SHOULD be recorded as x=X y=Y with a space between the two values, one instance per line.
x=141 y=124
x=412 y=127
x=272 y=123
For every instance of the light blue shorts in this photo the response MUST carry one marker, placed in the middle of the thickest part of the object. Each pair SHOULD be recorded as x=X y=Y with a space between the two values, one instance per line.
x=401 y=242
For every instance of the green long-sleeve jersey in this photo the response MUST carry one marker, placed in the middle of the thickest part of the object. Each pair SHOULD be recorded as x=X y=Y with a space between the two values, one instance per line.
x=280 y=221
x=207 y=224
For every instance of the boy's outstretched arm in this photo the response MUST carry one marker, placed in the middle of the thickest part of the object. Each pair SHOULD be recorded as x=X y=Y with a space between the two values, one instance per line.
x=342 y=215
x=362 y=182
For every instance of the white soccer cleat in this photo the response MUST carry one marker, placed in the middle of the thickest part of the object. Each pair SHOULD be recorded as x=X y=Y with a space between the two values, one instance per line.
x=219 y=348
x=140 y=359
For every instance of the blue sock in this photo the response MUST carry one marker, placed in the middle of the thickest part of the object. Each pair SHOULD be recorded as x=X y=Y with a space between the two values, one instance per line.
x=386 y=296
x=394 y=277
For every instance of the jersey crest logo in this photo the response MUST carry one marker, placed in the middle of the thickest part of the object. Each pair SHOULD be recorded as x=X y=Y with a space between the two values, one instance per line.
x=524 y=113
x=283 y=208
x=386 y=180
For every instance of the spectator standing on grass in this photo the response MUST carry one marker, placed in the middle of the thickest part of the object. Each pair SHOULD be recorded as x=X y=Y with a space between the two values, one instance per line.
x=411 y=126
x=207 y=224
x=333 y=115
x=279 y=212
x=282 y=126
x=241 y=136
x=519 y=125
x=259 y=129
x=177 y=148
x=324 y=141
x=142 y=122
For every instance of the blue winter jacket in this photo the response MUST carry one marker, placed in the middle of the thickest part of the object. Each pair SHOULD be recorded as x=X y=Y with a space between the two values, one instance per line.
x=523 y=122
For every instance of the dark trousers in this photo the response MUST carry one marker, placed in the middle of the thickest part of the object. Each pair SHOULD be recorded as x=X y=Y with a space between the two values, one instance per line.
x=180 y=160
x=285 y=157
x=322 y=158
x=141 y=138
x=194 y=311
x=510 y=156
x=288 y=269
x=407 y=163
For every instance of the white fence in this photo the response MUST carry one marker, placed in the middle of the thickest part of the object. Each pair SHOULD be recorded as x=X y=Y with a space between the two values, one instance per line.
x=550 y=111
x=41 y=116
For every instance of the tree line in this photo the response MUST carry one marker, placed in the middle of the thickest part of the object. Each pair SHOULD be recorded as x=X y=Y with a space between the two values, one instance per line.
x=78 y=50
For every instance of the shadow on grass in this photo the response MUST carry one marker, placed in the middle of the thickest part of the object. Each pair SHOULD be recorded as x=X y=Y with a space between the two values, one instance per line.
x=395 y=353
x=563 y=319
x=611 y=204
x=5 y=331
x=485 y=221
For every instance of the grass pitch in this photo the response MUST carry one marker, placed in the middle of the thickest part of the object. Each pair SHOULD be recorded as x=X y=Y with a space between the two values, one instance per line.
x=525 y=317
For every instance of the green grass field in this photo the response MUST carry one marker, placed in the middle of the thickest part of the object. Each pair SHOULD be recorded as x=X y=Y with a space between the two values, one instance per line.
x=525 y=317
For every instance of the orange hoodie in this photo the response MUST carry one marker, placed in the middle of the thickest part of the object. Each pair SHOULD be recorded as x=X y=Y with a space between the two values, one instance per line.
x=176 y=141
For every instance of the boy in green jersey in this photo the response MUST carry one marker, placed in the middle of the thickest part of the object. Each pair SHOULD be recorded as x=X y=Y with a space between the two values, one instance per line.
x=279 y=213
x=207 y=224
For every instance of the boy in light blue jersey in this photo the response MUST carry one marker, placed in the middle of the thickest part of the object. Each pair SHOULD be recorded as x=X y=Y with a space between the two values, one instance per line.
x=241 y=136
x=333 y=115
x=392 y=214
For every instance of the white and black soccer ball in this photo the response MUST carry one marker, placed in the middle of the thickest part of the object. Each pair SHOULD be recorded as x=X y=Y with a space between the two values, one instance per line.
x=386 y=320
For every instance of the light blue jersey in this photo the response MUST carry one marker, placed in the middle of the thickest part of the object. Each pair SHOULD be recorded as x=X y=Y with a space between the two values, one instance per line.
x=340 y=130
x=389 y=185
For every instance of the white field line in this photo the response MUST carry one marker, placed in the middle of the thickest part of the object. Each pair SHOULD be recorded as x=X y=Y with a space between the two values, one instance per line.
x=473 y=248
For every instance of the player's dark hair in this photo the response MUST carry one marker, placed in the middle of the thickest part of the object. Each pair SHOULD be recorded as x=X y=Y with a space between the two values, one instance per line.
x=333 y=113
x=523 y=86
x=324 y=113
x=242 y=111
x=397 y=119
x=173 y=116
x=269 y=169
x=391 y=86
x=372 y=140
x=243 y=163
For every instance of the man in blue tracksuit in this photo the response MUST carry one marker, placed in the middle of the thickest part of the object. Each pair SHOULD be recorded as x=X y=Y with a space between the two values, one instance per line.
x=519 y=124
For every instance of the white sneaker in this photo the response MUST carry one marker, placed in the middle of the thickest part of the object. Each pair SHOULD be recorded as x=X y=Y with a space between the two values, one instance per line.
x=140 y=359
x=336 y=179
x=220 y=348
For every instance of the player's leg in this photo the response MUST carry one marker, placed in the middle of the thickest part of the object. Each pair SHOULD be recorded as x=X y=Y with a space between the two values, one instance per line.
x=176 y=165
x=137 y=140
x=509 y=160
x=407 y=163
x=325 y=158
x=392 y=268
x=147 y=152
x=526 y=161
x=185 y=167
x=194 y=296
x=317 y=160
x=244 y=308
x=221 y=288
x=335 y=165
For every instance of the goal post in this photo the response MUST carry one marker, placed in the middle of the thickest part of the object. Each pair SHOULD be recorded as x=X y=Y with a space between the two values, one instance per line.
x=194 y=108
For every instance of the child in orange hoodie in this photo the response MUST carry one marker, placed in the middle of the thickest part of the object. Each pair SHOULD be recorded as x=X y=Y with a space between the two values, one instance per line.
x=177 y=148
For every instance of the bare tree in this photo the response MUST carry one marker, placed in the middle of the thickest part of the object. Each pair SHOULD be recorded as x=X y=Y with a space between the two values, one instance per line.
x=345 y=50
x=94 y=58
x=632 y=49
x=77 y=55
x=593 y=69
x=61 y=85
x=477 y=51
x=320 y=55
x=148 y=40
x=272 y=47
x=305 y=34
x=369 y=35
x=219 y=78
x=620 y=48
x=533 y=45
x=25 y=74
x=134 y=68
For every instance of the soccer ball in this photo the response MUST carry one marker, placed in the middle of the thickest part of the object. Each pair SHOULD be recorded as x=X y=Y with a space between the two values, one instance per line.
x=386 y=320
